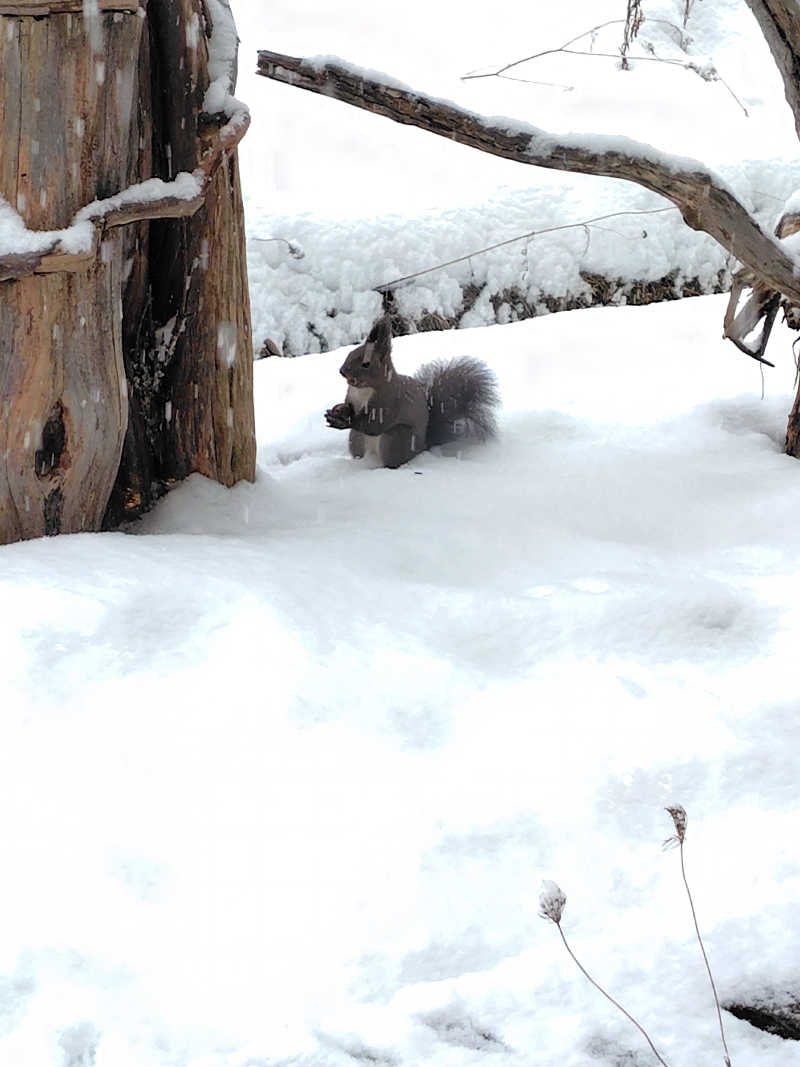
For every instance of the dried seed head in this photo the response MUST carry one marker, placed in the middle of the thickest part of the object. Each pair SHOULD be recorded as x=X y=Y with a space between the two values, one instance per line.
x=679 y=818
x=551 y=902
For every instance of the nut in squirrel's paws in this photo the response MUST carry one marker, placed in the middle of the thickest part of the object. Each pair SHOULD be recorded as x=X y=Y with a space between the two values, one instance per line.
x=338 y=417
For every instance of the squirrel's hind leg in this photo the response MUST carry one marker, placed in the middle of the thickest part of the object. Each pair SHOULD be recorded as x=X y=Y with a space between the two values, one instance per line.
x=399 y=445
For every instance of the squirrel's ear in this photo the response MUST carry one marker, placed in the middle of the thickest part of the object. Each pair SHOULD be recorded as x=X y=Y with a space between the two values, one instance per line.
x=381 y=335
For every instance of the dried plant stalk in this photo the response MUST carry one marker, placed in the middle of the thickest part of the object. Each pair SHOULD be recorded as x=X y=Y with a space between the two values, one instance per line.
x=551 y=904
x=678 y=815
x=633 y=21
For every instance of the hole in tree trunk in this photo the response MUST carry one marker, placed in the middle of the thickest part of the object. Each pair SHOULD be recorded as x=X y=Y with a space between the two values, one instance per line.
x=54 y=438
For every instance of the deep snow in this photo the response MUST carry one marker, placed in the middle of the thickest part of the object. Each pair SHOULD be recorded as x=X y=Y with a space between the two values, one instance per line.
x=284 y=765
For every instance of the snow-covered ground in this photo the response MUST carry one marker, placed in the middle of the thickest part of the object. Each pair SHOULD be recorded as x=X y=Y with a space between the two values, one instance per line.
x=283 y=767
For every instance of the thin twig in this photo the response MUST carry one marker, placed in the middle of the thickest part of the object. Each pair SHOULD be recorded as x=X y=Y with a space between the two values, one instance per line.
x=553 y=51
x=705 y=957
x=528 y=81
x=565 y=49
x=608 y=996
x=523 y=236
x=295 y=251
x=637 y=59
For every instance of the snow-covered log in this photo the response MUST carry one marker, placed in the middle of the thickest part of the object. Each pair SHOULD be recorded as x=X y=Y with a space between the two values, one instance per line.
x=703 y=198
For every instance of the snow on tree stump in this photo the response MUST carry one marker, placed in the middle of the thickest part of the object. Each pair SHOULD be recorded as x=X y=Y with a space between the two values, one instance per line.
x=125 y=351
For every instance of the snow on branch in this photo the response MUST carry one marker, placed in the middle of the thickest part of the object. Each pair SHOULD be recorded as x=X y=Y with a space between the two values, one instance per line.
x=702 y=197
x=24 y=252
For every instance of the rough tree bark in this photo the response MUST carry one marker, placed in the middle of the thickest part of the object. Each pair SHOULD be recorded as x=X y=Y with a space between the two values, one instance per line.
x=779 y=21
x=769 y=273
x=126 y=364
x=62 y=383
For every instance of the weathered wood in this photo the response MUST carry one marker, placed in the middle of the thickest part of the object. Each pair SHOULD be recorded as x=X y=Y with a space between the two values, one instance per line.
x=15 y=265
x=213 y=373
x=743 y=316
x=19 y=265
x=744 y=313
x=63 y=395
x=779 y=21
x=110 y=214
x=788 y=224
x=57 y=478
x=207 y=423
x=171 y=207
x=191 y=405
x=703 y=200
x=58 y=262
x=98 y=348
x=40 y=8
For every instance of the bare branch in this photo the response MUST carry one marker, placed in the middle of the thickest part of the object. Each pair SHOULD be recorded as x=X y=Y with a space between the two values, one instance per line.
x=707 y=72
x=585 y=224
x=565 y=47
x=703 y=199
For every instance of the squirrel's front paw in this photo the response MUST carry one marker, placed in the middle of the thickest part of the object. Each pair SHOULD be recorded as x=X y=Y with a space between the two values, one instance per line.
x=338 y=417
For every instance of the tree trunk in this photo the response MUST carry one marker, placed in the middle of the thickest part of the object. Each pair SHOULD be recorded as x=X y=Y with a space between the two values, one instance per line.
x=779 y=21
x=130 y=366
x=66 y=139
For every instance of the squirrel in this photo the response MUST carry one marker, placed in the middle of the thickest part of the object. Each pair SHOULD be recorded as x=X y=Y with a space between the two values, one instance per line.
x=394 y=417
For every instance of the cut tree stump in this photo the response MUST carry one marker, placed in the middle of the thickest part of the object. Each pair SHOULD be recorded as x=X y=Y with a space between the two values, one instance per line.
x=127 y=366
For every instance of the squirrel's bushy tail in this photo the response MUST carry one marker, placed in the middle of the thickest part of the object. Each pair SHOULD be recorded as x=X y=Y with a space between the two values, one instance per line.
x=462 y=397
